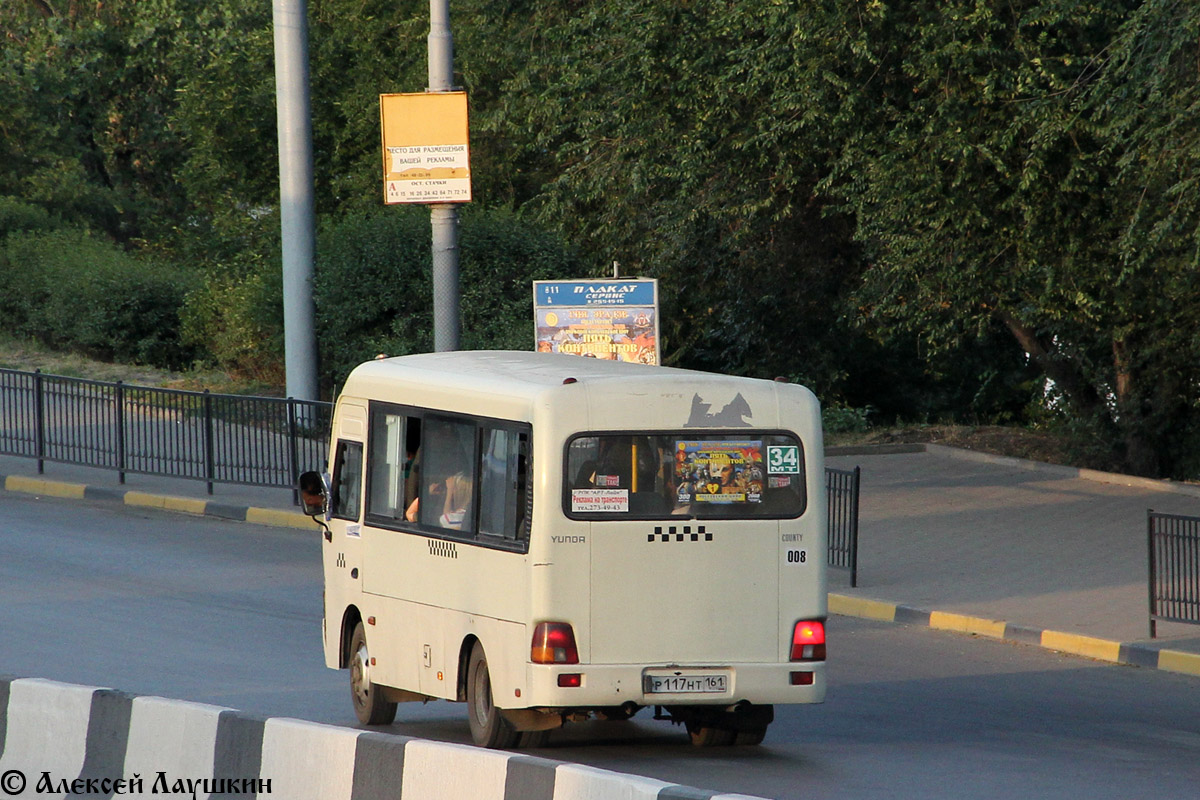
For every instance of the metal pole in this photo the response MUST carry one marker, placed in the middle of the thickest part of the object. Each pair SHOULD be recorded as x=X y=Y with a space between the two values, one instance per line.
x=854 y=529
x=120 y=399
x=296 y=195
x=293 y=456
x=1152 y=576
x=210 y=468
x=443 y=218
x=39 y=420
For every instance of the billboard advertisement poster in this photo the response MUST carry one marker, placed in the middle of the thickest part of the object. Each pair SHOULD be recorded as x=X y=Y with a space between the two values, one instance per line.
x=426 y=155
x=613 y=319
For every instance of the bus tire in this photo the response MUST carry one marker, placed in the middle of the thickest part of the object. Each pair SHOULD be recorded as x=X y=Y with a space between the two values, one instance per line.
x=751 y=738
x=369 y=704
x=710 y=735
x=489 y=728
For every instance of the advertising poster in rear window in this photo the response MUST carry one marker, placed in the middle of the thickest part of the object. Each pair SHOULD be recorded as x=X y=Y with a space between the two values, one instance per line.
x=719 y=471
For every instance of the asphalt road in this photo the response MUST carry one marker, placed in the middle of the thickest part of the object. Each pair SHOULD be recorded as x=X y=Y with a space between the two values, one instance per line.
x=229 y=613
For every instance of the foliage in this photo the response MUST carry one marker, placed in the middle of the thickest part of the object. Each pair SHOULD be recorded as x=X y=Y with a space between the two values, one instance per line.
x=938 y=208
x=234 y=321
x=990 y=190
x=839 y=418
x=16 y=215
x=75 y=291
x=373 y=286
x=668 y=133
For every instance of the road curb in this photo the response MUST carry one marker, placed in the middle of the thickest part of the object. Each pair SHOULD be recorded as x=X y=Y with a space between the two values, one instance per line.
x=274 y=517
x=1128 y=653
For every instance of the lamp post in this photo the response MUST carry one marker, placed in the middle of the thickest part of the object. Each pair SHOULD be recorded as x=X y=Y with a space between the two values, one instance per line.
x=443 y=217
x=290 y=22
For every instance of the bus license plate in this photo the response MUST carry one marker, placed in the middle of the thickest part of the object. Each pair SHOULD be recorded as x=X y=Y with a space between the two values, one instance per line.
x=714 y=683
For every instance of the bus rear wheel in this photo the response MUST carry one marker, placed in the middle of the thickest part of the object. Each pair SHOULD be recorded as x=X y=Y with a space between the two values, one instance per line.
x=369 y=704
x=489 y=728
x=709 y=735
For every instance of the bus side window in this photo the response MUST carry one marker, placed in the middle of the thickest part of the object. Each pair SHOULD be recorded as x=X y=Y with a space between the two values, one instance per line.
x=347 y=481
x=394 y=438
x=504 y=483
x=447 y=476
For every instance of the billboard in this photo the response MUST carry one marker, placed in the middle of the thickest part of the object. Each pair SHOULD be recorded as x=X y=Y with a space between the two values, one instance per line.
x=426 y=157
x=614 y=319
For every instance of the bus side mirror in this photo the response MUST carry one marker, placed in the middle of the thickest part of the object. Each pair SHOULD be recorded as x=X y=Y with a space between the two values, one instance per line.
x=314 y=493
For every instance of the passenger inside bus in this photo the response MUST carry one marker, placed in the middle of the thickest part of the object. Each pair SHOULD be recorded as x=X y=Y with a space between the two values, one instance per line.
x=456 y=502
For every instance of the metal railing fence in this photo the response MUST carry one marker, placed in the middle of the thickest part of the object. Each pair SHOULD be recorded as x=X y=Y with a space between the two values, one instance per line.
x=841 y=487
x=1174 y=559
x=216 y=438
x=221 y=438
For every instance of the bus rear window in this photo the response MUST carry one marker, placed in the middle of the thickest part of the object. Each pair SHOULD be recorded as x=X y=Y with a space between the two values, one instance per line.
x=689 y=474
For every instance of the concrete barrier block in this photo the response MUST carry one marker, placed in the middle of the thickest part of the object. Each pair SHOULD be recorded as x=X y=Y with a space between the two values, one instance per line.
x=173 y=737
x=577 y=782
x=46 y=730
x=307 y=761
x=379 y=766
x=438 y=771
x=530 y=778
x=107 y=735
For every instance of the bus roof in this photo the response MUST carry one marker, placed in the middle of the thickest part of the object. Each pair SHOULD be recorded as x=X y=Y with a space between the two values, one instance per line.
x=513 y=384
x=518 y=371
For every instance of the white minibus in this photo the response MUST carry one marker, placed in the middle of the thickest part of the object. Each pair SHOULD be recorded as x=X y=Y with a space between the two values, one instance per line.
x=551 y=538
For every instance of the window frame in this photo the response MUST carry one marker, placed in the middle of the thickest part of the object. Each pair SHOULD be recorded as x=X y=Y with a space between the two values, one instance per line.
x=520 y=544
x=336 y=481
x=690 y=434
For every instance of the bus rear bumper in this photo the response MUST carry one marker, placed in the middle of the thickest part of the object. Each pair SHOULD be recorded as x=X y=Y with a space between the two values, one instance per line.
x=609 y=685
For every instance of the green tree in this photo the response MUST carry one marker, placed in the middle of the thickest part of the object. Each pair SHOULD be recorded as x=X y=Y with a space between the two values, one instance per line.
x=88 y=93
x=373 y=286
x=677 y=139
x=987 y=191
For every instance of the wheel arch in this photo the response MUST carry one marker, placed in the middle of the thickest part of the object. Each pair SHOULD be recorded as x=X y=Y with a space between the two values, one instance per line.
x=464 y=659
x=350 y=618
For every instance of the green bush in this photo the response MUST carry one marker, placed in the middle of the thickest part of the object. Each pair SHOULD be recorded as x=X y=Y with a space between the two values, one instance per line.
x=844 y=419
x=17 y=215
x=74 y=291
x=374 y=294
x=234 y=322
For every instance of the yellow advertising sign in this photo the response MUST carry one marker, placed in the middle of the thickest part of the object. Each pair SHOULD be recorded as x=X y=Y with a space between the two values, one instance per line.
x=425 y=153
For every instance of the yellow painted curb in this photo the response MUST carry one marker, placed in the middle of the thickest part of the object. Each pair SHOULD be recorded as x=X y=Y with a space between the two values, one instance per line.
x=145 y=500
x=1175 y=661
x=188 y=504
x=963 y=624
x=278 y=518
x=1088 y=646
x=19 y=483
x=861 y=607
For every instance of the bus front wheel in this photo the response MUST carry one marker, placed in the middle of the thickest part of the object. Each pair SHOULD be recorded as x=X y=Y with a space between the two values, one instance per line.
x=489 y=728
x=369 y=704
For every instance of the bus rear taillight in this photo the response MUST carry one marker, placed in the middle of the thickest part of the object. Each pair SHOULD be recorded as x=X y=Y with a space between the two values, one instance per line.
x=554 y=643
x=808 y=641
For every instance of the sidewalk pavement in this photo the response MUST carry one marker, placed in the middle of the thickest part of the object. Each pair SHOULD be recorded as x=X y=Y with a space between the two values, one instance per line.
x=1014 y=550
x=952 y=539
